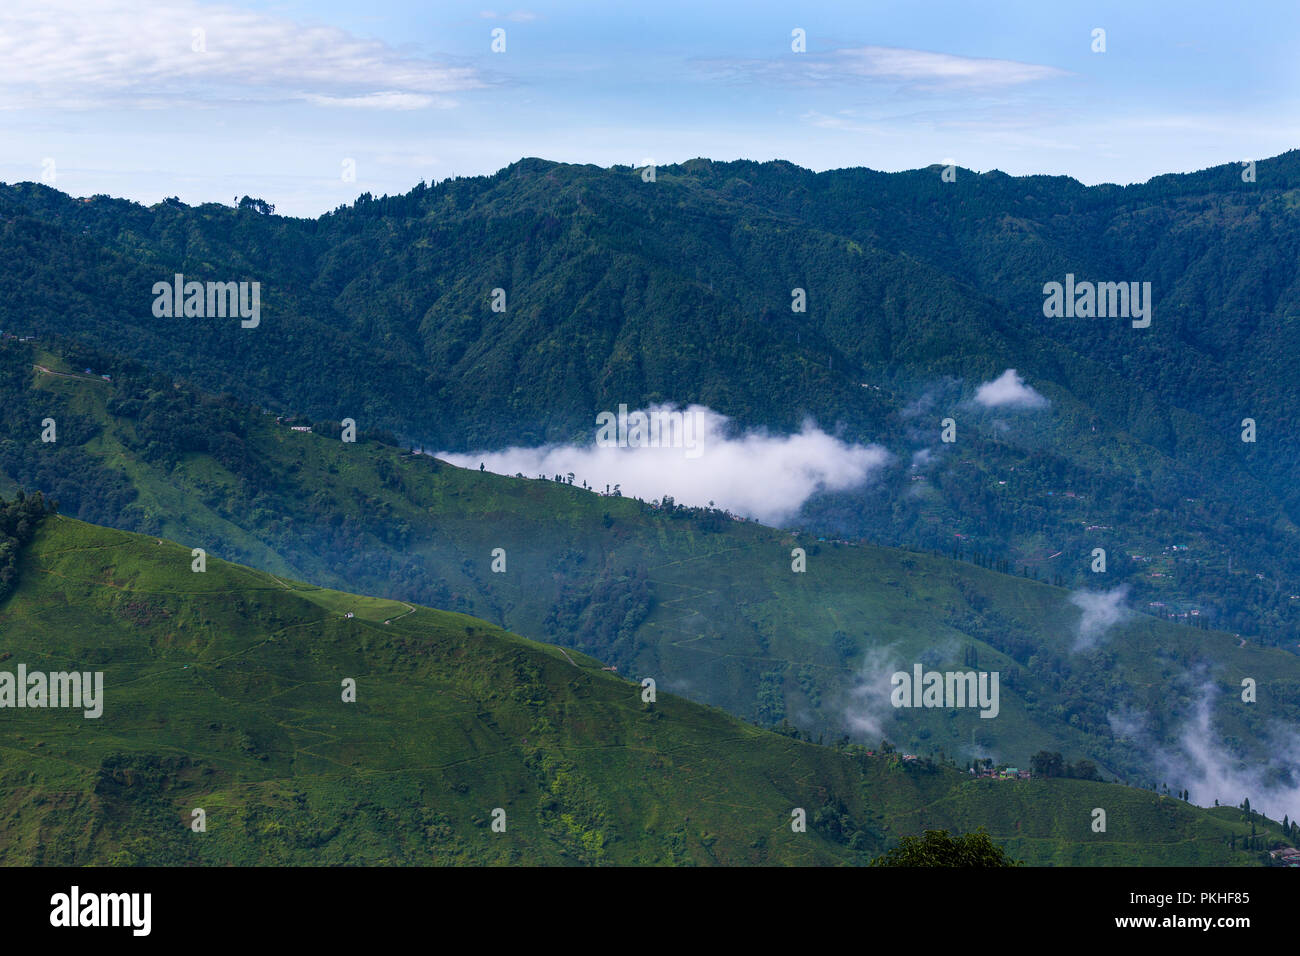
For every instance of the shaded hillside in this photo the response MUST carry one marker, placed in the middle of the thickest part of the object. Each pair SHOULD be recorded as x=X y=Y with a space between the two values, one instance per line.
x=221 y=692
x=707 y=605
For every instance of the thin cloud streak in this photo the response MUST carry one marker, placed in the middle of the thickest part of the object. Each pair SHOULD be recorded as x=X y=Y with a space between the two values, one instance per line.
x=923 y=69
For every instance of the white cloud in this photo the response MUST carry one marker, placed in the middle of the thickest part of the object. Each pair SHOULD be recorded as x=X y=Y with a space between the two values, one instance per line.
x=70 y=54
x=755 y=474
x=1008 y=390
x=918 y=68
x=1102 y=610
x=1196 y=758
x=868 y=710
x=942 y=69
x=1208 y=772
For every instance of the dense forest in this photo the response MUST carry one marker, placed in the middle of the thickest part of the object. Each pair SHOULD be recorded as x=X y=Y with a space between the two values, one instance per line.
x=619 y=291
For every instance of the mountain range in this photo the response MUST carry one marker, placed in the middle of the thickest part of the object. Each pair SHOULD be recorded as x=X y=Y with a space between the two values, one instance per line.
x=618 y=291
x=495 y=318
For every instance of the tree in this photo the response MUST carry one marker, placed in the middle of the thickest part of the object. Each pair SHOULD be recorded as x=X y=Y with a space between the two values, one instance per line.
x=257 y=205
x=18 y=522
x=937 y=848
x=1046 y=764
x=1084 y=770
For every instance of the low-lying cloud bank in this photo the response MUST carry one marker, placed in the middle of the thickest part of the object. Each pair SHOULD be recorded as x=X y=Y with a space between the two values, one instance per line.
x=755 y=474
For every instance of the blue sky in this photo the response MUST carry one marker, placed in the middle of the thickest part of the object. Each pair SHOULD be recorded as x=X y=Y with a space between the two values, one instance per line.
x=113 y=97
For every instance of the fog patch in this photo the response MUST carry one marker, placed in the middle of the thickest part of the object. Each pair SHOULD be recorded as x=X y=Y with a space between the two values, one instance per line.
x=1102 y=610
x=753 y=474
x=868 y=708
x=1204 y=767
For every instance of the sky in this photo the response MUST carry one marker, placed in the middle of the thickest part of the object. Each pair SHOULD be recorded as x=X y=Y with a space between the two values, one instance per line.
x=309 y=104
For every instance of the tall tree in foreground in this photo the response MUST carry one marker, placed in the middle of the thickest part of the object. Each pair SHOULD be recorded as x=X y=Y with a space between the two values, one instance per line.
x=937 y=848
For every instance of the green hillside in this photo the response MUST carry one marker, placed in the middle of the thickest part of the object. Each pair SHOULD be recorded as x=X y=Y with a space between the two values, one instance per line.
x=621 y=291
x=222 y=692
x=707 y=605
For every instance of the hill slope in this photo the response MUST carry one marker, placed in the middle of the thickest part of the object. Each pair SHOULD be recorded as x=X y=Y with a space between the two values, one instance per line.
x=707 y=605
x=222 y=692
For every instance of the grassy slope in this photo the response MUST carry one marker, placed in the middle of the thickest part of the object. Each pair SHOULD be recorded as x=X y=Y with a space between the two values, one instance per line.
x=727 y=616
x=223 y=692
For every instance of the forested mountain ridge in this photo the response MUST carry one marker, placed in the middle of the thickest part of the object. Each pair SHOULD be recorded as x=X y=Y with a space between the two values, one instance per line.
x=904 y=272
x=619 y=290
